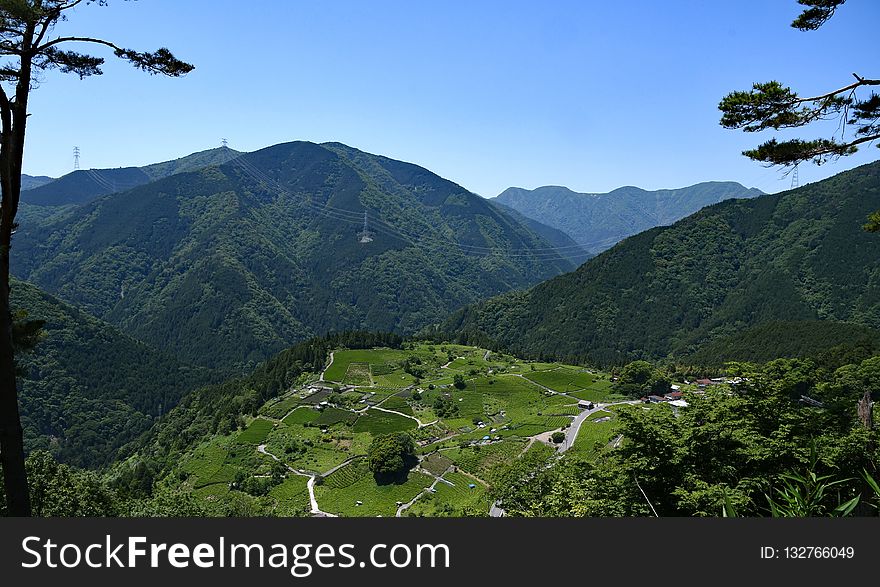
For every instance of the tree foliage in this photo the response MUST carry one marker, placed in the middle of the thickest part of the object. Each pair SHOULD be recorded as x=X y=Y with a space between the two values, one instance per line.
x=391 y=455
x=773 y=105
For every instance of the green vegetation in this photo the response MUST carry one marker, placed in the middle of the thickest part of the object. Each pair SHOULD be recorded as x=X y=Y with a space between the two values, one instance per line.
x=86 y=388
x=223 y=270
x=379 y=422
x=798 y=256
x=599 y=221
x=391 y=455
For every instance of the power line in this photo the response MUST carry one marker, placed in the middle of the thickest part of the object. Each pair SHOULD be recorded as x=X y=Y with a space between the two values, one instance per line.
x=422 y=240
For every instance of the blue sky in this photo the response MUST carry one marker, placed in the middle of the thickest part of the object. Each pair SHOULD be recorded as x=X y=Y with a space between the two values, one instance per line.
x=490 y=94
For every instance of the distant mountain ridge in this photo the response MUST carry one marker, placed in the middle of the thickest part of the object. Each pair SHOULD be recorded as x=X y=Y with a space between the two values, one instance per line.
x=84 y=185
x=797 y=257
x=230 y=263
x=598 y=221
x=34 y=181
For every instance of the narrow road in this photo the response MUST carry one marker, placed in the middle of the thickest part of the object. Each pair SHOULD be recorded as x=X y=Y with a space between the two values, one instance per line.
x=327 y=367
x=407 y=505
x=310 y=485
x=575 y=427
x=419 y=422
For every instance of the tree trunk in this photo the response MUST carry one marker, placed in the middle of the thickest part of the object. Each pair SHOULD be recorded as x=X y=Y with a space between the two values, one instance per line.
x=11 y=437
x=14 y=121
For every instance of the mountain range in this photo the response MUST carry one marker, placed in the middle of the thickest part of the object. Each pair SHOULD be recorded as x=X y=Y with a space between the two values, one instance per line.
x=598 y=221
x=231 y=262
x=800 y=256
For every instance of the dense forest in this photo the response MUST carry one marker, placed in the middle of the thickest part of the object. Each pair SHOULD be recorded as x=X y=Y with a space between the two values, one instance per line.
x=797 y=256
x=87 y=388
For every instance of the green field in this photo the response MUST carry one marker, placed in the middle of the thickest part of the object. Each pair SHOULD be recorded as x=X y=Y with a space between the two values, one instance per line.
x=453 y=500
x=357 y=374
x=256 y=432
x=291 y=496
x=302 y=415
x=330 y=416
x=484 y=426
x=377 y=359
x=594 y=436
x=355 y=483
x=480 y=460
x=378 y=422
x=280 y=408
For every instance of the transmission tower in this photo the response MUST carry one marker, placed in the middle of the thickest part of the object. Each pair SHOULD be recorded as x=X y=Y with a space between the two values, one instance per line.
x=365 y=236
x=75 y=158
x=795 y=182
x=225 y=143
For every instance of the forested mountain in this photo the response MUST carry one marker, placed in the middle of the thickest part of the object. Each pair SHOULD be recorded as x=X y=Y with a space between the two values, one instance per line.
x=34 y=181
x=566 y=246
x=598 y=221
x=796 y=256
x=86 y=388
x=231 y=263
x=84 y=185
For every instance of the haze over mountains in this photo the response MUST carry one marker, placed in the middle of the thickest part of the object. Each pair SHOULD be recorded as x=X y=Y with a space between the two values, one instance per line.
x=232 y=262
x=798 y=256
x=598 y=221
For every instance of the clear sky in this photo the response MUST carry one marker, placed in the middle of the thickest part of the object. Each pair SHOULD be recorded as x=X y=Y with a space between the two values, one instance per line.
x=490 y=94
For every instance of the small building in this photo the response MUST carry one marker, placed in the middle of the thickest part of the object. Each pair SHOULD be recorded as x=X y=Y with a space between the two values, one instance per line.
x=656 y=399
x=585 y=405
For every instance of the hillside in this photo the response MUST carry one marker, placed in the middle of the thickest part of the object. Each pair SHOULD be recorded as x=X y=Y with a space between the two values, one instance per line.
x=34 y=181
x=796 y=256
x=85 y=185
x=598 y=221
x=87 y=389
x=566 y=246
x=231 y=263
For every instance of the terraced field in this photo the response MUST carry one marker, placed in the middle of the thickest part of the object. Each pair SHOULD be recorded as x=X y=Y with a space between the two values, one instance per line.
x=378 y=422
x=340 y=492
x=474 y=430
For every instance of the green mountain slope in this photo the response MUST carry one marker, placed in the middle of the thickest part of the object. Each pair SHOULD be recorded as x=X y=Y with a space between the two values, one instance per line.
x=795 y=256
x=85 y=185
x=598 y=221
x=232 y=263
x=566 y=246
x=87 y=389
x=34 y=181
